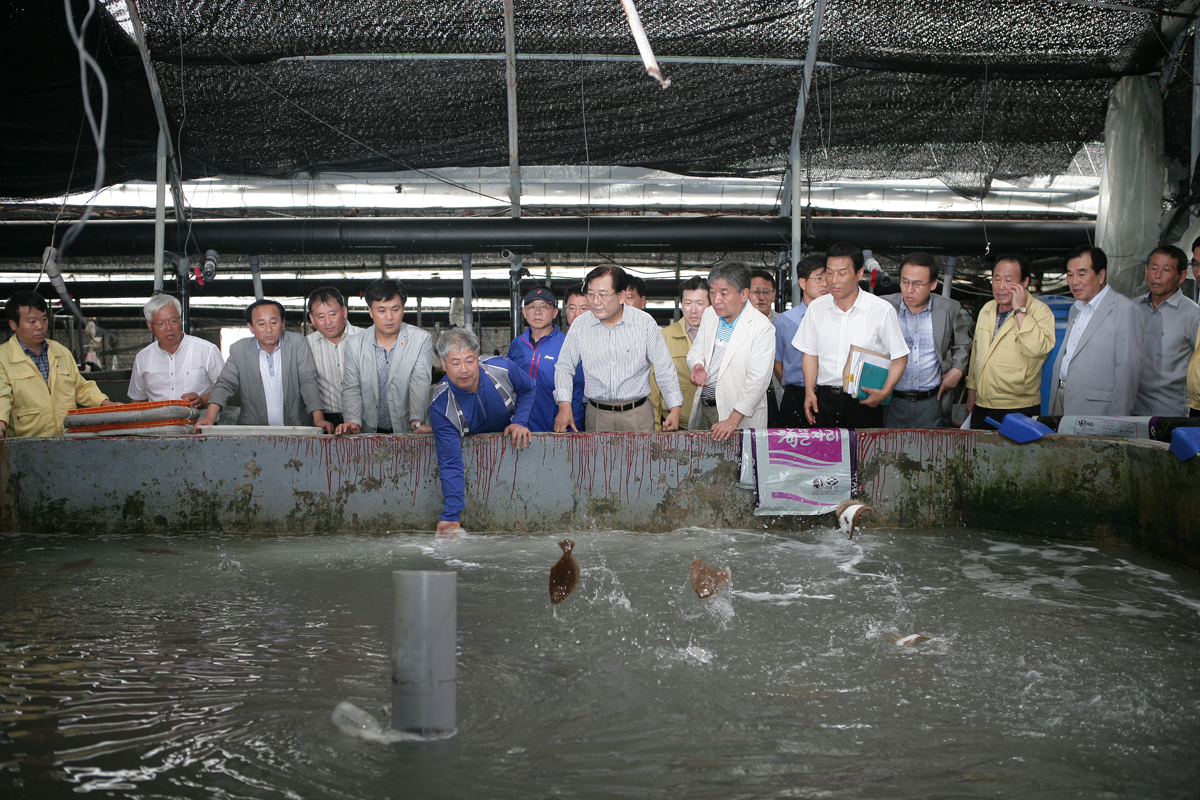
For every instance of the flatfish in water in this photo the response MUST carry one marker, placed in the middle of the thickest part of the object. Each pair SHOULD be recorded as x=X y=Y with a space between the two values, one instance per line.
x=910 y=640
x=81 y=563
x=706 y=580
x=848 y=514
x=564 y=576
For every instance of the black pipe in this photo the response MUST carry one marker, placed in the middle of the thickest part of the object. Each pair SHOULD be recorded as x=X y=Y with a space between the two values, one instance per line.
x=610 y=234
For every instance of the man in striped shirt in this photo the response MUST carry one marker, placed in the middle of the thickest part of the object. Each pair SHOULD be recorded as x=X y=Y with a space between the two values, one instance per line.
x=327 y=313
x=617 y=344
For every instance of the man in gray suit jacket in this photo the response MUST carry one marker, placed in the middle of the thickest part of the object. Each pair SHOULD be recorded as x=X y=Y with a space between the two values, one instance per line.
x=273 y=371
x=388 y=368
x=1099 y=364
x=939 y=347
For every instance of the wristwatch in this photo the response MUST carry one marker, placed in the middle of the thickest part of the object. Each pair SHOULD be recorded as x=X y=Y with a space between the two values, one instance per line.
x=1022 y=310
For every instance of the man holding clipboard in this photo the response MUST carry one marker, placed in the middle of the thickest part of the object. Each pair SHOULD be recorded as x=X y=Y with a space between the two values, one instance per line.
x=847 y=318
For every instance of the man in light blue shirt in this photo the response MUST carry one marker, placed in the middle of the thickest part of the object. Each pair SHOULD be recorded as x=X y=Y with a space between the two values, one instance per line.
x=810 y=277
x=939 y=347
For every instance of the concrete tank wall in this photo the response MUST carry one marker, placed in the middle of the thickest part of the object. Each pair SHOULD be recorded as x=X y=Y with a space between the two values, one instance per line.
x=1086 y=489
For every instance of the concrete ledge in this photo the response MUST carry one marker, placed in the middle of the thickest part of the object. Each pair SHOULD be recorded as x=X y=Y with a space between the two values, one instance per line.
x=1084 y=489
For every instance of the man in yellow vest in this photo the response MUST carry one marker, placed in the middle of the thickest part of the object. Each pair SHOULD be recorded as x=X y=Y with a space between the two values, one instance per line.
x=39 y=382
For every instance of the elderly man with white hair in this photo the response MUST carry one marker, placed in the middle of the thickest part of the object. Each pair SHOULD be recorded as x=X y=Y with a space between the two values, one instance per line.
x=478 y=395
x=175 y=366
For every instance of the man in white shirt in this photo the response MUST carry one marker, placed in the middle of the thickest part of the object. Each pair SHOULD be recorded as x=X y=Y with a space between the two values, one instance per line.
x=328 y=314
x=272 y=371
x=175 y=366
x=616 y=343
x=845 y=317
x=1099 y=366
x=732 y=357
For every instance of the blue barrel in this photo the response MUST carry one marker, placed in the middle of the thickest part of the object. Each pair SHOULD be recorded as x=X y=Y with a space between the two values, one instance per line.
x=1061 y=306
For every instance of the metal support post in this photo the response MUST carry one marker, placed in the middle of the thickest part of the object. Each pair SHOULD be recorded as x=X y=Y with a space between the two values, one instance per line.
x=256 y=276
x=948 y=278
x=185 y=279
x=510 y=71
x=164 y=130
x=160 y=210
x=515 y=273
x=467 y=290
x=781 y=280
x=794 y=152
x=424 y=669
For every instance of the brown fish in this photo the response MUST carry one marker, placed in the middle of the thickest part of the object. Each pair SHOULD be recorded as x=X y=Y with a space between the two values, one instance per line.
x=564 y=576
x=83 y=562
x=848 y=514
x=707 y=581
x=157 y=551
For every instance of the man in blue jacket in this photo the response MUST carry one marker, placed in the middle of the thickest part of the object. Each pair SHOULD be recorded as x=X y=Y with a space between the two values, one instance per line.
x=536 y=352
x=487 y=395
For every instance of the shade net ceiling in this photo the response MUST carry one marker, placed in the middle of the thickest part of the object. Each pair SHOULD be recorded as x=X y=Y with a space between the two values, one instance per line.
x=968 y=91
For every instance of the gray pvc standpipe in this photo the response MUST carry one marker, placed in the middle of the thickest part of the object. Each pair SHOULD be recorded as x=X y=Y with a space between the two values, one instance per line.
x=424 y=669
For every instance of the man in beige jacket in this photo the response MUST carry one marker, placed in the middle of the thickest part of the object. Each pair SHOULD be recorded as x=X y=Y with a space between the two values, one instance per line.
x=679 y=335
x=39 y=382
x=1013 y=335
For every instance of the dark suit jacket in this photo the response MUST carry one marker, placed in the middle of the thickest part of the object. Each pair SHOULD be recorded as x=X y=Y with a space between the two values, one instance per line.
x=301 y=395
x=951 y=337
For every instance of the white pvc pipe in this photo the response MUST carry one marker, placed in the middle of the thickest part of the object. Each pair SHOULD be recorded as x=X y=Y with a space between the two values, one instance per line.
x=424 y=669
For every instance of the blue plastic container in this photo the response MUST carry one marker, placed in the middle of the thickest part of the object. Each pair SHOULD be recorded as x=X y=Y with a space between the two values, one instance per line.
x=1185 y=443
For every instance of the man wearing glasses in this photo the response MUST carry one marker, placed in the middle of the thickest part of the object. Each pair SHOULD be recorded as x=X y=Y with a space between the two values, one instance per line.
x=617 y=344
x=762 y=297
x=938 y=343
x=175 y=366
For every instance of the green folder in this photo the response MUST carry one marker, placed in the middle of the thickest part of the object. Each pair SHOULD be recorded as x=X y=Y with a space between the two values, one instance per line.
x=872 y=377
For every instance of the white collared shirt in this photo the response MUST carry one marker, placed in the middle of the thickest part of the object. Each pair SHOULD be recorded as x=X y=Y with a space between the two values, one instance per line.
x=270 y=367
x=828 y=333
x=1083 y=316
x=158 y=375
x=329 y=358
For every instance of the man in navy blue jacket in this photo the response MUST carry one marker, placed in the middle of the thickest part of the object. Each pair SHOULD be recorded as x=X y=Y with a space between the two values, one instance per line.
x=536 y=352
x=487 y=395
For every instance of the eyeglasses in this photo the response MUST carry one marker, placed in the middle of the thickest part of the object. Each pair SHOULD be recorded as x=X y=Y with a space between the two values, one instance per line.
x=918 y=285
x=600 y=296
x=763 y=292
x=171 y=323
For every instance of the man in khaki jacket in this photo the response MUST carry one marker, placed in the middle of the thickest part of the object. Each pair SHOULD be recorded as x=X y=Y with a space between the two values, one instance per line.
x=39 y=382
x=1013 y=335
x=679 y=335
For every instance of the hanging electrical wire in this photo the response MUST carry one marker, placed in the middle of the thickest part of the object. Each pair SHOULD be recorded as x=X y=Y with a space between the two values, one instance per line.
x=98 y=128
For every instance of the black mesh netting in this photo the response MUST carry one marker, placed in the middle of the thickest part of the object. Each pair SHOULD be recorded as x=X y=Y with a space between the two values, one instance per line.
x=968 y=92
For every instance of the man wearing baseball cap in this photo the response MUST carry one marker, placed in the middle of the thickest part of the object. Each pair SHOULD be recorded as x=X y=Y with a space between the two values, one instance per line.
x=536 y=352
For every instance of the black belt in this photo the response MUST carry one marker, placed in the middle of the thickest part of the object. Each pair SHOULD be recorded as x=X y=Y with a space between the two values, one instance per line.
x=705 y=401
x=830 y=389
x=383 y=430
x=913 y=397
x=630 y=406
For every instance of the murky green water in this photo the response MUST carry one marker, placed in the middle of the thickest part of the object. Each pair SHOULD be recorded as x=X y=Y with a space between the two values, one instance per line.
x=1051 y=670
